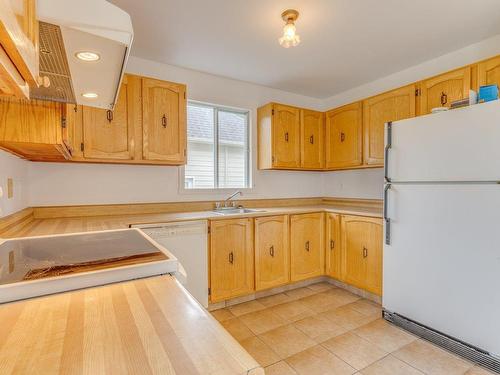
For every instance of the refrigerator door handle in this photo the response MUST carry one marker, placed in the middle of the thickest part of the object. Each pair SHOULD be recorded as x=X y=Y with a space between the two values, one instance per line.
x=388 y=145
x=387 y=220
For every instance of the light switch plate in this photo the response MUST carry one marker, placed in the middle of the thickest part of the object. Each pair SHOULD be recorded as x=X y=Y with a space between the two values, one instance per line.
x=10 y=188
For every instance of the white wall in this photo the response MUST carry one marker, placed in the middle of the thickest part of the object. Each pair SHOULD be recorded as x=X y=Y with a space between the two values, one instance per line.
x=15 y=168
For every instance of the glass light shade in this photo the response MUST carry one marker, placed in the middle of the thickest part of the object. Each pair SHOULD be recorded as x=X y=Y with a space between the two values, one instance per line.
x=289 y=38
x=87 y=56
x=90 y=95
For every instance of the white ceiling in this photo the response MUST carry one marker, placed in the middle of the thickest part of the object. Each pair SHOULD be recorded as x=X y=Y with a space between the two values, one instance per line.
x=345 y=43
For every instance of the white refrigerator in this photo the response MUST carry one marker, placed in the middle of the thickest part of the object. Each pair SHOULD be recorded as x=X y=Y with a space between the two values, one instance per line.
x=442 y=229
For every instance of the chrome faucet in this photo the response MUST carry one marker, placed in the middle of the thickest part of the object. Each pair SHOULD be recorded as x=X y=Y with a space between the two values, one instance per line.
x=231 y=197
x=225 y=203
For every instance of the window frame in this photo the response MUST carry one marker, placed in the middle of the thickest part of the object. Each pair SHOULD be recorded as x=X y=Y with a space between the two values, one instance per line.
x=248 y=150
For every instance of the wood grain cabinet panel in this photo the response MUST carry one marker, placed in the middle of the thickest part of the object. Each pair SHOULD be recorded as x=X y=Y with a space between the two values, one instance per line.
x=272 y=252
x=362 y=252
x=109 y=134
x=312 y=125
x=307 y=250
x=442 y=90
x=231 y=258
x=333 y=250
x=343 y=140
x=164 y=121
x=489 y=72
x=390 y=106
x=286 y=136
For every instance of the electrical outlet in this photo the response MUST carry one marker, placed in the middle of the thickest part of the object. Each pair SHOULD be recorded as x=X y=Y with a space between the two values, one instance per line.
x=10 y=188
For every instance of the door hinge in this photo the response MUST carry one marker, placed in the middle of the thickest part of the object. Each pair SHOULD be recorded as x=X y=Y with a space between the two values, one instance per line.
x=209 y=291
x=272 y=112
x=185 y=153
x=272 y=159
x=63 y=122
x=82 y=147
x=209 y=229
x=417 y=92
x=184 y=95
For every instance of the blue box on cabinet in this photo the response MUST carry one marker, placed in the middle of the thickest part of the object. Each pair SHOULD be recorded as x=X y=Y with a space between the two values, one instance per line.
x=488 y=93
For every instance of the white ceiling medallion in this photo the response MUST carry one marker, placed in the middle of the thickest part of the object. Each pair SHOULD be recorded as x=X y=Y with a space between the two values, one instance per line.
x=290 y=37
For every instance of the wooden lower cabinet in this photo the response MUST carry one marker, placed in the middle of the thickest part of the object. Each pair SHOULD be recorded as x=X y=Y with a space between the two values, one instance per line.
x=333 y=250
x=307 y=246
x=362 y=252
x=231 y=258
x=272 y=252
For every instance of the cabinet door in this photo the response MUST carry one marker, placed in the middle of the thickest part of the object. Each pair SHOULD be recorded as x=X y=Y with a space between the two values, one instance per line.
x=272 y=265
x=307 y=251
x=440 y=91
x=311 y=134
x=231 y=258
x=391 y=106
x=489 y=72
x=333 y=247
x=109 y=134
x=164 y=121
x=344 y=132
x=362 y=252
x=286 y=136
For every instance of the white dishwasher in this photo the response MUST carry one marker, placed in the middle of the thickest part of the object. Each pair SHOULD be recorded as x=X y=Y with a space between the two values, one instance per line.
x=188 y=242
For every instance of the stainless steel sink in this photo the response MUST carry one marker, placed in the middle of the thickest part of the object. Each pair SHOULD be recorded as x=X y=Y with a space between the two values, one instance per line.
x=234 y=211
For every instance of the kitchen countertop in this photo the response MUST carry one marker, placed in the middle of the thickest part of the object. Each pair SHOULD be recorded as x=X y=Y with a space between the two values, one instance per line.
x=146 y=326
x=39 y=227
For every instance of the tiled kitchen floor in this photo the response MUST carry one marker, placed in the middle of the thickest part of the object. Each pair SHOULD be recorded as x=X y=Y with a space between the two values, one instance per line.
x=323 y=330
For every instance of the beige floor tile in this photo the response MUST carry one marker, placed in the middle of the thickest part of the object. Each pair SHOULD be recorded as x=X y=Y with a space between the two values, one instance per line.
x=222 y=315
x=292 y=311
x=354 y=350
x=300 y=293
x=322 y=301
x=431 y=359
x=274 y=300
x=262 y=321
x=319 y=329
x=390 y=366
x=287 y=340
x=343 y=296
x=260 y=351
x=321 y=287
x=246 y=307
x=384 y=335
x=476 y=370
x=280 y=368
x=237 y=329
x=366 y=307
x=347 y=317
x=318 y=361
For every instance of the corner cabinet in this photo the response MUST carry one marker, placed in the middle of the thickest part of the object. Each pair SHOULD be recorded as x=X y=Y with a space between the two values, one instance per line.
x=272 y=252
x=231 y=259
x=362 y=252
x=307 y=246
x=164 y=121
x=312 y=124
x=333 y=250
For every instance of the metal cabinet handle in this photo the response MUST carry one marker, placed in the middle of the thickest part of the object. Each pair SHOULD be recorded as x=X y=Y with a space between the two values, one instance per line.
x=109 y=115
x=307 y=245
x=271 y=251
x=342 y=137
x=231 y=257
x=444 y=98
x=365 y=252
x=164 y=121
x=286 y=137
x=311 y=139
x=332 y=244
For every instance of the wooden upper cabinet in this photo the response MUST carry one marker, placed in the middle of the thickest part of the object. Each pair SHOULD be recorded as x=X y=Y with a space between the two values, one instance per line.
x=362 y=252
x=489 y=72
x=312 y=125
x=272 y=259
x=344 y=134
x=33 y=129
x=307 y=246
x=110 y=134
x=442 y=90
x=390 y=106
x=285 y=136
x=231 y=258
x=164 y=121
x=333 y=247
x=19 y=62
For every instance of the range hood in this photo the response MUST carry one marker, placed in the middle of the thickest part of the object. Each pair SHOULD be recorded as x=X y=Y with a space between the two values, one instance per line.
x=71 y=26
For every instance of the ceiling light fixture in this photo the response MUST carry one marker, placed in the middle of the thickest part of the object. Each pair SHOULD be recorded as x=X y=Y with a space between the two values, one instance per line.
x=289 y=38
x=90 y=95
x=87 y=56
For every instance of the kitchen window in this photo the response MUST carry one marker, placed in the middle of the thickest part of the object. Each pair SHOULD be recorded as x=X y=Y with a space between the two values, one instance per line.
x=218 y=147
